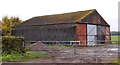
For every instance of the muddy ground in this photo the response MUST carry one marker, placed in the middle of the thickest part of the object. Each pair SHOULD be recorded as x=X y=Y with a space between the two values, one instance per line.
x=96 y=54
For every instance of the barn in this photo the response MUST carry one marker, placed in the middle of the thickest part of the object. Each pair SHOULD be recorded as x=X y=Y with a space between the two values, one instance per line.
x=82 y=27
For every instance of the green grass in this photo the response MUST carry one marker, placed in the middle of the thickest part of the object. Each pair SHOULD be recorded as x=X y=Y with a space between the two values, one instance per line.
x=12 y=57
x=37 y=54
x=0 y=57
x=117 y=61
x=0 y=45
x=16 y=57
x=115 y=38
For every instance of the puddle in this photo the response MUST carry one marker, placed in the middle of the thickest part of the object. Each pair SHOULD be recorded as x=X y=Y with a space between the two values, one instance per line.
x=113 y=49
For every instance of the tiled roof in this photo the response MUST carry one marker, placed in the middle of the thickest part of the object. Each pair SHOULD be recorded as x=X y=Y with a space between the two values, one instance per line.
x=57 y=18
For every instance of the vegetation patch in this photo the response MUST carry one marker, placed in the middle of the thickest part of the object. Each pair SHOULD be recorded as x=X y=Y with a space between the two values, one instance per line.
x=0 y=57
x=117 y=61
x=12 y=43
x=16 y=57
x=115 y=39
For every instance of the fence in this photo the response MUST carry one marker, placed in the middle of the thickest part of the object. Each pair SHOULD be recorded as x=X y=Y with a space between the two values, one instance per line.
x=77 y=43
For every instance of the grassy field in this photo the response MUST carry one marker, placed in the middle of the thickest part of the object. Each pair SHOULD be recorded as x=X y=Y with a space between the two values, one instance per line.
x=115 y=38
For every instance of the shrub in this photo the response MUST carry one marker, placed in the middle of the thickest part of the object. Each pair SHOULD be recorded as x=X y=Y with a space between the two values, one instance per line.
x=12 y=44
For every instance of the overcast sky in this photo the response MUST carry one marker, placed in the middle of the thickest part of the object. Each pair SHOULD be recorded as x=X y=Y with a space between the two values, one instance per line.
x=26 y=9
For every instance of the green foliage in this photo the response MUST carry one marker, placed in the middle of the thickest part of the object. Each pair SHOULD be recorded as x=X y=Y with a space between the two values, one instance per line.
x=12 y=57
x=33 y=55
x=26 y=56
x=7 y=24
x=12 y=44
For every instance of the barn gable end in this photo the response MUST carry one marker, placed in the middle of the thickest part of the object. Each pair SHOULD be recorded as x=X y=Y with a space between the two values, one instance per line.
x=94 y=18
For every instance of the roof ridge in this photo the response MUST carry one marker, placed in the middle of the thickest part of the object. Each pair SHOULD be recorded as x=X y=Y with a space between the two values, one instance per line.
x=63 y=13
x=85 y=15
x=71 y=17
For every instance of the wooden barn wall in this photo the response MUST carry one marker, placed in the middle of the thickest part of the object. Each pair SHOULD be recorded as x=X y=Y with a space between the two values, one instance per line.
x=94 y=18
x=107 y=34
x=81 y=34
x=64 y=32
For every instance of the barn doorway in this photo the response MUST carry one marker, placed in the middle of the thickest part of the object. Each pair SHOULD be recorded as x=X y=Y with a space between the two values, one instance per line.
x=91 y=35
x=101 y=35
x=95 y=34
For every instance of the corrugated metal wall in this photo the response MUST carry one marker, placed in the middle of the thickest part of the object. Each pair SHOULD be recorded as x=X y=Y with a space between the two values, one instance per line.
x=64 y=32
x=87 y=34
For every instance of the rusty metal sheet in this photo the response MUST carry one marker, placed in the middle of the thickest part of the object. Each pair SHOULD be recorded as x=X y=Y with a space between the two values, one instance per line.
x=107 y=34
x=81 y=34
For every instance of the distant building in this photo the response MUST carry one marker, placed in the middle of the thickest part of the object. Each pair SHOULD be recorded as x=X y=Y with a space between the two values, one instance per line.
x=86 y=27
x=115 y=32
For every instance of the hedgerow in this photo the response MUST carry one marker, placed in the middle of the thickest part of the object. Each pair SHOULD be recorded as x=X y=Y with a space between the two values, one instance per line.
x=12 y=44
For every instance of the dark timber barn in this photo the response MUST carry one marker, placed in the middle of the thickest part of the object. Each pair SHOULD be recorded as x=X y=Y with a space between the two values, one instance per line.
x=84 y=27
